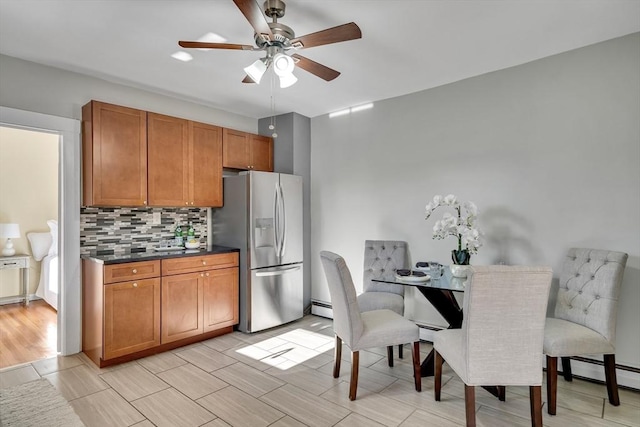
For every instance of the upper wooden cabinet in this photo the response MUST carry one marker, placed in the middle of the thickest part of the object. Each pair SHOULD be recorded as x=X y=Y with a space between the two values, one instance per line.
x=242 y=150
x=185 y=162
x=205 y=142
x=114 y=152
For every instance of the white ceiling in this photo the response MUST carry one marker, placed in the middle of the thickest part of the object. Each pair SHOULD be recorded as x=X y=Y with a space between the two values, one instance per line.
x=406 y=45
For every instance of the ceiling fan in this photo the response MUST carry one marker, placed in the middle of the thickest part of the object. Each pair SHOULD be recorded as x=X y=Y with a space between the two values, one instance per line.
x=276 y=39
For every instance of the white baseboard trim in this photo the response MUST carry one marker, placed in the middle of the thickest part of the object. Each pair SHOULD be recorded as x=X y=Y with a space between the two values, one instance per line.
x=595 y=372
x=321 y=309
x=13 y=299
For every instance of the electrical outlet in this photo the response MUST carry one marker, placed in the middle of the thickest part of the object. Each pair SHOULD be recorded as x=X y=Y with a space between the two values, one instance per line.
x=157 y=219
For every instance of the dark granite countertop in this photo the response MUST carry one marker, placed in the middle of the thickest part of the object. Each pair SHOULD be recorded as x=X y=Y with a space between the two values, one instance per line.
x=154 y=255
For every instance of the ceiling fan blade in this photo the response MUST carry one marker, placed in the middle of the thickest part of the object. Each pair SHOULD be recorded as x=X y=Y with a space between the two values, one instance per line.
x=247 y=79
x=206 y=45
x=337 y=34
x=252 y=11
x=315 y=68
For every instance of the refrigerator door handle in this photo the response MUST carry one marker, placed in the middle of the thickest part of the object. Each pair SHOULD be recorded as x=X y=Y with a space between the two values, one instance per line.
x=283 y=230
x=276 y=222
x=277 y=271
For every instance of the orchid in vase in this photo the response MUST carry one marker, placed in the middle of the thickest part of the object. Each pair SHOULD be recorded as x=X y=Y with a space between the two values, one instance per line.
x=461 y=226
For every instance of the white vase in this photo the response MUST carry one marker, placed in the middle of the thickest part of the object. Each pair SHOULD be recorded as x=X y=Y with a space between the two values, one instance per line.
x=459 y=270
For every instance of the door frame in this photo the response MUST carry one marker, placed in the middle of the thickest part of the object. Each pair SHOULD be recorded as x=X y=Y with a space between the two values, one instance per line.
x=69 y=167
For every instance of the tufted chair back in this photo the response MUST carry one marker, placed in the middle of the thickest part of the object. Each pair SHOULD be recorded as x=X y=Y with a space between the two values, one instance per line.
x=381 y=259
x=589 y=289
x=347 y=323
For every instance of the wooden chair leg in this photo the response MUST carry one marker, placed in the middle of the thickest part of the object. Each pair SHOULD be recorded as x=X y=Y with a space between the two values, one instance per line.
x=417 y=377
x=390 y=355
x=353 y=385
x=552 y=384
x=566 y=368
x=610 y=377
x=337 y=357
x=470 y=405
x=437 y=374
x=400 y=356
x=535 y=400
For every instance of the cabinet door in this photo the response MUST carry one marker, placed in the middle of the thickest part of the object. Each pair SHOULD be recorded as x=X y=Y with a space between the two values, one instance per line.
x=220 y=298
x=131 y=317
x=181 y=306
x=205 y=157
x=168 y=160
x=261 y=153
x=235 y=152
x=114 y=154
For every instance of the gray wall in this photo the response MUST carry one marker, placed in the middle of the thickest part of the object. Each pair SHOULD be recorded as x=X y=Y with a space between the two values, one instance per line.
x=292 y=151
x=34 y=87
x=549 y=151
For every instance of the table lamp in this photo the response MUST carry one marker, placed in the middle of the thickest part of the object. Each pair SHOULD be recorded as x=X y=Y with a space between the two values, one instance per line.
x=10 y=231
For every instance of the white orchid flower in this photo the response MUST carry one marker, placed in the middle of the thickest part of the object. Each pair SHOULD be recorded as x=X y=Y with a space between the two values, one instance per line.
x=471 y=208
x=460 y=225
x=450 y=200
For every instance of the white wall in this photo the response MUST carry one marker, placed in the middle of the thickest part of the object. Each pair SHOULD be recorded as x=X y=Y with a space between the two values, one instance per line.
x=549 y=151
x=34 y=87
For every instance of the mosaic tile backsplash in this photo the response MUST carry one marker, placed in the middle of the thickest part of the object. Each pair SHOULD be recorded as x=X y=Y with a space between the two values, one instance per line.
x=112 y=231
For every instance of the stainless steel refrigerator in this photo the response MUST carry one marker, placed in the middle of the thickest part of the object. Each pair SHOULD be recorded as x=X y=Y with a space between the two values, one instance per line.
x=262 y=215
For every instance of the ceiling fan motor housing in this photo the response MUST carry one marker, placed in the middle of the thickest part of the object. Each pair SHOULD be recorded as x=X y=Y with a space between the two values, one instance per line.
x=274 y=8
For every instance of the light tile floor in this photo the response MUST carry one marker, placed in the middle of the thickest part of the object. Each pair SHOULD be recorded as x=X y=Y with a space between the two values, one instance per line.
x=283 y=378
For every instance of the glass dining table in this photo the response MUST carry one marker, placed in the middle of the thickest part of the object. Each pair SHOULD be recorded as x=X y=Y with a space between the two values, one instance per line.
x=440 y=291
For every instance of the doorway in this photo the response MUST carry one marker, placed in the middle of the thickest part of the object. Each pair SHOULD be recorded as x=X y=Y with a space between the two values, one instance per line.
x=29 y=199
x=69 y=298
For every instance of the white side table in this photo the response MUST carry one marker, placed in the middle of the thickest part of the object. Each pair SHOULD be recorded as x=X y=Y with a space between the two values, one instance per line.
x=22 y=262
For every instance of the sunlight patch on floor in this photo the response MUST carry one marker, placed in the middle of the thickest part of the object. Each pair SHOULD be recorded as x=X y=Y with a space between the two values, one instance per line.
x=289 y=349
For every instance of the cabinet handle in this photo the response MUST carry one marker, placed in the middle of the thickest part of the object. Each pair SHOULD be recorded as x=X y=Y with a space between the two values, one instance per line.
x=192 y=203
x=186 y=203
x=135 y=285
x=134 y=271
x=204 y=262
x=207 y=274
x=144 y=202
x=201 y=274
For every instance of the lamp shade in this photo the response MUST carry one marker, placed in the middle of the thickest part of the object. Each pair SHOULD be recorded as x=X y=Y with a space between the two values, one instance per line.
x=256 y=70
x=11 y=231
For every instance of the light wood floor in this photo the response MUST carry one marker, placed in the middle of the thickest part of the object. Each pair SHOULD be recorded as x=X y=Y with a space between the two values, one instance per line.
x=282 y=377
x=27 y=333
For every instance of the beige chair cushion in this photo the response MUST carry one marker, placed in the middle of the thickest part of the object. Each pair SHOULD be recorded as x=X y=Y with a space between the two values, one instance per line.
x=384 y=328
x=563 y=338
x=381 y=300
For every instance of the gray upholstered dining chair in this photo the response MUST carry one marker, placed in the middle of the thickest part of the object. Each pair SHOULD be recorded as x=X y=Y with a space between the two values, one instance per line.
x=381 y=260
x=500 y=342
x=585 y=316
x=375 y=328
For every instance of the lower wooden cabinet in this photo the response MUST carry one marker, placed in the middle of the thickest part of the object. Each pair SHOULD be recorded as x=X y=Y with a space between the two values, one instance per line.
x=220 y=299
x=131 y=317
x=202 y=301
x=135 y=309
x=181 y=306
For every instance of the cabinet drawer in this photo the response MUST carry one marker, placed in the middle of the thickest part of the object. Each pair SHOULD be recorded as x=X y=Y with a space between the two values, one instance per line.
x=131 y=271
x=198 y=263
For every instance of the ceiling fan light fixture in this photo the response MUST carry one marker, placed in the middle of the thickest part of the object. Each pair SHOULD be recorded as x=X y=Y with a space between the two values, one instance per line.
x=288 y=80
x=283 y=65
x=256 y=70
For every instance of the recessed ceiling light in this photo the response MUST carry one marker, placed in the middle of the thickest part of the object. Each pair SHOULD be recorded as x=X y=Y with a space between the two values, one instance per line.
x=182 y=56
x=212 y=38
x=362 y=107
x=340 y=113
